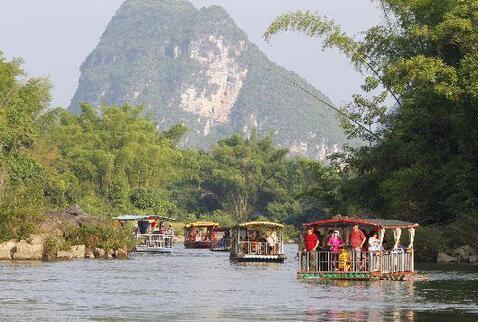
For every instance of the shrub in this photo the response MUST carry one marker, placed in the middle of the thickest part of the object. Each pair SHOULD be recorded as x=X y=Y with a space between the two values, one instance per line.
x=105 y=234
x=54 y=244
x=429 y=240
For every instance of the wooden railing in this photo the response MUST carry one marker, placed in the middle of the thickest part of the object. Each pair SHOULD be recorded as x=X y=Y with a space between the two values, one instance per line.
x=364 y=261
x=397 y=261
x=258 y=248
x=155 y=240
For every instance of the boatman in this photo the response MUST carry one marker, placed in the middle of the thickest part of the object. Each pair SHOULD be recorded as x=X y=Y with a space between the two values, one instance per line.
x=311 y=242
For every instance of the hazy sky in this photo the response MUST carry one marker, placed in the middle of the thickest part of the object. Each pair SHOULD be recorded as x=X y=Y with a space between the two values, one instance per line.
x=55 y=36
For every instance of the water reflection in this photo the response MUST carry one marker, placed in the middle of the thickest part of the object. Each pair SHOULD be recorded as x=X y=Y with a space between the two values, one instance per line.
x=312 y=314
x=364 y=301
x=193 y=285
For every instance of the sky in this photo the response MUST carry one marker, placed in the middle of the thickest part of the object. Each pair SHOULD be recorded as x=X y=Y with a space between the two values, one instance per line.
x=55 y=36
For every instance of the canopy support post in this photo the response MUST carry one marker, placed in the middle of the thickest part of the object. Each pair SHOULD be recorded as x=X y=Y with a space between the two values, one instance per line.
x=411 y=231
x=381 y=235
x=397 y=232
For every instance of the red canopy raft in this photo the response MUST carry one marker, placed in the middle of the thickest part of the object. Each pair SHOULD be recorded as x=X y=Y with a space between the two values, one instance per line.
x=396 y=262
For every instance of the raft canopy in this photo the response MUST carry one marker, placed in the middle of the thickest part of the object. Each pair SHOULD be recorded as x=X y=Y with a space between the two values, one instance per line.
x=220 y=229
x=141 y=217
x=383 y=223
x=202 y=224
x=266 y=224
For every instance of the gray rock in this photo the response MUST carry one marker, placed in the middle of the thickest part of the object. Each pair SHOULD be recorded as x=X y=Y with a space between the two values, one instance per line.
x=6 y=250
x=26 y=251
x=472 y=259
x=89 y=254
x=445 y=258
x=76 y=211
x=57 y=220
x=463 y=253
x=36 y=239
x=121 y=253
x=77 y=251
x=100 y=253
x=110 y=254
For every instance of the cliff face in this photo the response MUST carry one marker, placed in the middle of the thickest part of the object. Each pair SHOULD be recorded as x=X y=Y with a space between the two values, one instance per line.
x=197 y=67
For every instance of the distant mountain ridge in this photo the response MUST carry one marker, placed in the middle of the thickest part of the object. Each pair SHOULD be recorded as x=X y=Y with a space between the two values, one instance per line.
x=195 y=66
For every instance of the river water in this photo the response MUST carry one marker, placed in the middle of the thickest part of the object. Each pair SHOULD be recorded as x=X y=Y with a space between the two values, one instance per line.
x=193 y=285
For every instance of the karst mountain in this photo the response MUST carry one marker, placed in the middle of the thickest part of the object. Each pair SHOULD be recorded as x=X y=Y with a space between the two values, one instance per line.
x=197 y=67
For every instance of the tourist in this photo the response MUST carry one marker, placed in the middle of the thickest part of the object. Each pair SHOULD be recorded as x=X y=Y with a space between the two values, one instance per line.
x=154 y=225
x=335 y=243
x=213 y=235
x=357 y=240
x=374 y=243
x=311 y=242
x=195 y=235
x=272 y=242
x=170 y=231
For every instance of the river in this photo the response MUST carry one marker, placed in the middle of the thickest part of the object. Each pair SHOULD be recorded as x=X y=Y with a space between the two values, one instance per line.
x=193 y=285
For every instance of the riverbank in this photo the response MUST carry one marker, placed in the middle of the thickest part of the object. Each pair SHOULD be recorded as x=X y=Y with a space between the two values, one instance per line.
x=70 y=234
x=463 y=254
x=73 y=234
x=38 y=247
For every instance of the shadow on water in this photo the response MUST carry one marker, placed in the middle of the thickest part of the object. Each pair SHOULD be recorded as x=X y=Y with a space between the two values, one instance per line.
x=192 y=285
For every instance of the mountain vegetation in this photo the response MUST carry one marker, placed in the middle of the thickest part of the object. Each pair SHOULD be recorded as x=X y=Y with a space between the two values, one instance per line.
x=117 y=161
x=196 y=67
x=421 y=163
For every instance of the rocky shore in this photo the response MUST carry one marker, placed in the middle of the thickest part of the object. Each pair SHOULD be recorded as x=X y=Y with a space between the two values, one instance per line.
x=57 y=235
x=35 y=249
x=463 y=254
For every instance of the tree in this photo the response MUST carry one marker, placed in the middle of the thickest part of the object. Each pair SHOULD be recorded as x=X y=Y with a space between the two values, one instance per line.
x=119 y=155
x=22 y=178
x=421 y=163
x=234 y=173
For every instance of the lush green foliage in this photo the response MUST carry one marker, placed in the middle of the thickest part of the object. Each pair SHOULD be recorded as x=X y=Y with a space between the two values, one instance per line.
x=99 y=233
x=421 y=163
x=106 y=235
x=22 y=178
x=118 y=161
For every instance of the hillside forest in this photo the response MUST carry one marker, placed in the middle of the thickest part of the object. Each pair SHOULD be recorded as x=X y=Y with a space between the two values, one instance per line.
x=118 y=161
x=420 y=164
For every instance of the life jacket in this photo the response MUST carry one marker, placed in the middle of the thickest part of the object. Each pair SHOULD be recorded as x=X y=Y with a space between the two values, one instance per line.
x=344 y=259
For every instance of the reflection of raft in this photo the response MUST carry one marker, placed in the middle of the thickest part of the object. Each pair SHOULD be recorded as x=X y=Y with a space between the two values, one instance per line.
x=404 y=277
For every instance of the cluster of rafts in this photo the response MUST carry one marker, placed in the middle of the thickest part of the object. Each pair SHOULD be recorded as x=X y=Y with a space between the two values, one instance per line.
x=262 y=241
